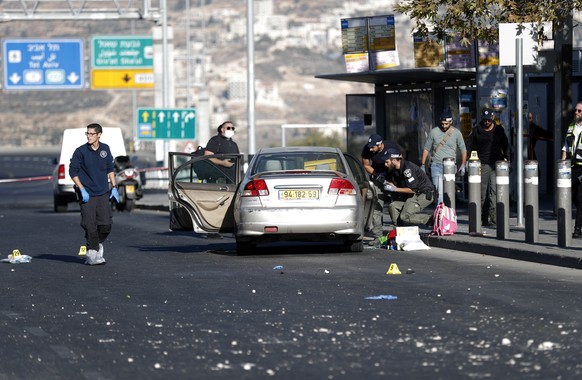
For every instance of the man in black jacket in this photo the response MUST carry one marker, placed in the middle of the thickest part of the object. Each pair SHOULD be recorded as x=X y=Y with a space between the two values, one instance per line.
x=491 y=144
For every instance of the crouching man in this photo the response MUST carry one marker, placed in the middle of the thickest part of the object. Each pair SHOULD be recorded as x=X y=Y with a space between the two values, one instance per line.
x=419 y=189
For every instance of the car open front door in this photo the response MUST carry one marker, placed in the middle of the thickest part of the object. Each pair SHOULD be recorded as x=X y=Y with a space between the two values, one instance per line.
x=202 y=192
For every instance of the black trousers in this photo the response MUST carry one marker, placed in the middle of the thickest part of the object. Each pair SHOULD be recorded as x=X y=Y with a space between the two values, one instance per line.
x=577 y=195
x=96 y=220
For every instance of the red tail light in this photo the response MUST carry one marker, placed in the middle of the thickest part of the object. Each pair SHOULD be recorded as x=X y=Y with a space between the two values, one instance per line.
x=61 y=171
x=341 y=186
x=255 y=188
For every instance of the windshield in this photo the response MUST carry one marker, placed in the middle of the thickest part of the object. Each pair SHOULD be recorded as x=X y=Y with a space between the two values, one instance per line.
x=298 y=161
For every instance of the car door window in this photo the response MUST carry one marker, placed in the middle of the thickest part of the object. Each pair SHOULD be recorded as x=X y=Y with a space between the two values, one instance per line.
x=205 y=188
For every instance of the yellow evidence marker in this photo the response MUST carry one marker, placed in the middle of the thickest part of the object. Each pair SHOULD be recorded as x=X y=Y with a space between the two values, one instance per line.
x=83 y=251
x=393 y=269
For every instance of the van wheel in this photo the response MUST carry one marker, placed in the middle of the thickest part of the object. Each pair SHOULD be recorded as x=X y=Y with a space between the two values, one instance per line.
x=60 y=206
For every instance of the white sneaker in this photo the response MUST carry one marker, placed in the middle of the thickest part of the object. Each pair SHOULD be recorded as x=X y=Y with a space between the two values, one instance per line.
x=93 y=258
x=100 y=258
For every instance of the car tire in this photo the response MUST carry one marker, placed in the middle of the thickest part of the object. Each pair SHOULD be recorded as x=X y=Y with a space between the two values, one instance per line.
x=59 y=205
x=355 y=246
x=245 y=247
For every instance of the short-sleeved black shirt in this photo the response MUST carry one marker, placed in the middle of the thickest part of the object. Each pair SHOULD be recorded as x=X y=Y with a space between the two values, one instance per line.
x=377 y=159
x=414 y=178
x=221 y=145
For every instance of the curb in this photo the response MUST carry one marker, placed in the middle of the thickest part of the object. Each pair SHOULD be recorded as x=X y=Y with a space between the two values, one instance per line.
x=539 y=253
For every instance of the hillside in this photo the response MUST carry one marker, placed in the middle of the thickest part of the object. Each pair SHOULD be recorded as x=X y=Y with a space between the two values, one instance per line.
x=287 y=91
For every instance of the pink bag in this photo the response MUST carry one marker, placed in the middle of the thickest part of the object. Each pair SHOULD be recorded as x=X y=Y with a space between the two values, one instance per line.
x=445 y=220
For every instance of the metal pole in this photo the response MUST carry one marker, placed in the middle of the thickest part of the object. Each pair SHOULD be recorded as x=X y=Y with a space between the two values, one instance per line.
x=564 y=206
x=502 y=206
x=165 y=68
x=449 y=170
x=474 y=196
x=519 y=113
x=531 y=183
x=251 y=77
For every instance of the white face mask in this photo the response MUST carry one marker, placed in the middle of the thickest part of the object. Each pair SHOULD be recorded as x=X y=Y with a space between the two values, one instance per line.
x=229 y=134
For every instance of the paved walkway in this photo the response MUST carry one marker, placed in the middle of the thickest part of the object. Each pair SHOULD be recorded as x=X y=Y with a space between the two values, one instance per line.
x=545 y=251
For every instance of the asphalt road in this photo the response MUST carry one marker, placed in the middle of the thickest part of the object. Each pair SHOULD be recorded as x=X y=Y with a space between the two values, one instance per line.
x=177 y=305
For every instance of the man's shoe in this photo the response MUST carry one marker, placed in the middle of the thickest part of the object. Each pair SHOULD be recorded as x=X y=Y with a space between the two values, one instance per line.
x=369 y=236
x=91 y=257
x=100 y=259
x=430 y=222
x=577 y=233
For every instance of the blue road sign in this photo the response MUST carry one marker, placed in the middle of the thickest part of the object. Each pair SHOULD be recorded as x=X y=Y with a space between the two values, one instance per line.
x=55 y=64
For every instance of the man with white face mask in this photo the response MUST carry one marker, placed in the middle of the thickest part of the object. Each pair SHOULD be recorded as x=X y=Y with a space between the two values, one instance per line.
x=222 y=143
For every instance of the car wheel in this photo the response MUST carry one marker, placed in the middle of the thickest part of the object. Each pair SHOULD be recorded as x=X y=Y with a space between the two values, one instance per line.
x=355 y=246
x=59 y=206
x=245 y=247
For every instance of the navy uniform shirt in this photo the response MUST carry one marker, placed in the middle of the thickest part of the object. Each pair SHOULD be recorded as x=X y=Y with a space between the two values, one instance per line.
x=414 y=178
x=92 y=167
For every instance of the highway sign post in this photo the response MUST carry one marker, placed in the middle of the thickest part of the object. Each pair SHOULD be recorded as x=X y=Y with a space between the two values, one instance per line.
x=166 y=123
x=53 y=64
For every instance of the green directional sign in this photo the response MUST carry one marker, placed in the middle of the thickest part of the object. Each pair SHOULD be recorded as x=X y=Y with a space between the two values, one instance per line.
x=166 y=123
x=114 y=52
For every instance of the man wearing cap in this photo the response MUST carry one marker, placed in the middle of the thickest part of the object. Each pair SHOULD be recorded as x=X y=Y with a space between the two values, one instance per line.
x=491 y=144
x=373 y=160
x=443 y=142
x=417 y=187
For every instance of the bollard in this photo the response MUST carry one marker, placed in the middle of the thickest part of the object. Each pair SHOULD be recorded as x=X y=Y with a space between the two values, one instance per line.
x=502 y=206
x=474 y=179
x=531 y=195
x=564 y=203
x=449 y=191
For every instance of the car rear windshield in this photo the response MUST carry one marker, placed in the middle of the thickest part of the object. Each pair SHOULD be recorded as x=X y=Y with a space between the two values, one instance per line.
x=299 y=161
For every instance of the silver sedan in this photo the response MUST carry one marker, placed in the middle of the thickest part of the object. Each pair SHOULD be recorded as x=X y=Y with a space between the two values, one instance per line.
x=315 y=194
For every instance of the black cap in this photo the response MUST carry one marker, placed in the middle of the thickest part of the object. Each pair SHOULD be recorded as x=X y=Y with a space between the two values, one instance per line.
x=374 y=140
x=447 y=115
x=392 y=153
x=487 y=114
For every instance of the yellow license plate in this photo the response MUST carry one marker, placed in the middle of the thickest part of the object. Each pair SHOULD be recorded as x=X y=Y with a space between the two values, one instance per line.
x=129 y=188
x=298 y=194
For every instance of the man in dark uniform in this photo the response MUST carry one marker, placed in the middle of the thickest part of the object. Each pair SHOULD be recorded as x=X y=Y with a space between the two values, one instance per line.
x=92 y=169
x=417 y=186
x=373 y=160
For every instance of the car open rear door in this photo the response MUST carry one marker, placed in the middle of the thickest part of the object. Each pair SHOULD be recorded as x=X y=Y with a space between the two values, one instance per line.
x=202 y=192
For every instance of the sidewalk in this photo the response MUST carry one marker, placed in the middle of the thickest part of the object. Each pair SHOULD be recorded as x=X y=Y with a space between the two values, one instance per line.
x=545 y=251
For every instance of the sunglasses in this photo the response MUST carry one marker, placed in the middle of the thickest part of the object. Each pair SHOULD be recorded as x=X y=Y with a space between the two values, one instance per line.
x=577 y=110
x=229 y=128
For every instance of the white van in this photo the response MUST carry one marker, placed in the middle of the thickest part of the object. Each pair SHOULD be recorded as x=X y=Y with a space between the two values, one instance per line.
x=63 y=192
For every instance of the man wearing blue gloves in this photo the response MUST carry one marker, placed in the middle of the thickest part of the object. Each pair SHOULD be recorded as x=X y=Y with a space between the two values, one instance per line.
x=92 y=170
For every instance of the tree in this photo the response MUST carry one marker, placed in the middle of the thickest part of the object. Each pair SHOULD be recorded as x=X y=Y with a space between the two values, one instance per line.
x=473 y=20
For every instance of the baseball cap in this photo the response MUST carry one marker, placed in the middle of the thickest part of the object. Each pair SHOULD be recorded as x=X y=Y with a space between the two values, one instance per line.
x=447 y=115
x=392 y=153
x=374 y=140
x=486 y=114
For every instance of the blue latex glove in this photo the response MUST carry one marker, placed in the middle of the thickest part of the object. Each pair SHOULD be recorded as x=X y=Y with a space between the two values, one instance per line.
x=114 y=194
x=85 y=195
x=389 y=187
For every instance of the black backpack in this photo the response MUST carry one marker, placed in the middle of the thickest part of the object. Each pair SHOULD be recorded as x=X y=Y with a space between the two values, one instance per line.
x=203 y=169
